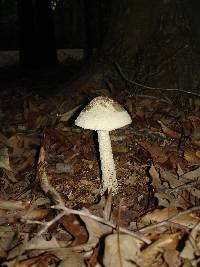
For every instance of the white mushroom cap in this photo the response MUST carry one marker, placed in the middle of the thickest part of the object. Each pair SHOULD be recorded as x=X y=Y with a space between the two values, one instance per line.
x=103 y=113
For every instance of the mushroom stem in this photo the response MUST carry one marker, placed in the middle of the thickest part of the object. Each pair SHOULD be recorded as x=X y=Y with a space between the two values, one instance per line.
x=107 y=162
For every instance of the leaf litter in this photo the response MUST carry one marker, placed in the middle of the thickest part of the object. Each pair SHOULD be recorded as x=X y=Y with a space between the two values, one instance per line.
x=51 y=211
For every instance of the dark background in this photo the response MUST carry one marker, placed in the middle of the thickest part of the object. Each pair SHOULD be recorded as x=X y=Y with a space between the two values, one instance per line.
x=156 y=43
x=69 y=18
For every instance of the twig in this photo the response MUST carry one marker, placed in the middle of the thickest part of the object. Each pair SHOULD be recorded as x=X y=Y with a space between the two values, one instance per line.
x=48 y=224
x=44 y=181
x=101 y=220
x=149 y=87
x=168 y=221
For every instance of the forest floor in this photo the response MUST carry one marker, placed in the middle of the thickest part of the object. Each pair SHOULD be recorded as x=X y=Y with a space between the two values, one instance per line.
x=51 y=209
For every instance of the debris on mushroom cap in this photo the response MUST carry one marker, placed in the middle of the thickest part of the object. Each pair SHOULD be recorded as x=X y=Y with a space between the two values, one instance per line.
x=103 y=113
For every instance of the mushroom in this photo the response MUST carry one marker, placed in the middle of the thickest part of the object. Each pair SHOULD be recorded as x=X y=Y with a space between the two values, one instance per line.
x=103 y=114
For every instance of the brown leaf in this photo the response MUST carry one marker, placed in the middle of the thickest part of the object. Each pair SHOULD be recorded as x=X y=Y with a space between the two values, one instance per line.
x=157 y=154
x=67 y=115
x=151 y=252
x=191 y=175
x=158 y=215
x=14 y=204
x=39 y=242
x=40 y=261
x=156 y=182
x=168 y=200
x=4 y=159
x=36 y=214
x=76 y=230
x=73 y=259
x=191 y=157
x=6 y=237
x=171 y=133
x=96 y=230
x=190 y=249
x=122 y=250
x=172 y=258
x=108 y=207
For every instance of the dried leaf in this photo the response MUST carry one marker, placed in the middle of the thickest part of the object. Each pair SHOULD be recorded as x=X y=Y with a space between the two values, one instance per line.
x=39 y=242
x=96 y=230
x=172 y=258
x=170 y=192
x=171 y=133
x=157 y=154
x=4 y=159
x=76 y=230
x=158 y=215
x=197 y=153
x=73 y=259
x=122 y=250
x=191 y=157
x=179 y=170
x=10 y=175
x=191 y=175
x=195 y=121
x=108 y=207
x=167 y=200
x=6 y=236
x=151 y=252
x=190 y=250
x=67 y=115
x=14 y=205
x=36 y=214
x=155 y=177
x=170 y=178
